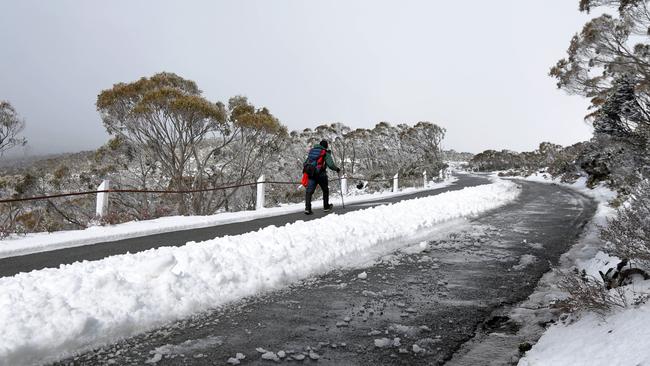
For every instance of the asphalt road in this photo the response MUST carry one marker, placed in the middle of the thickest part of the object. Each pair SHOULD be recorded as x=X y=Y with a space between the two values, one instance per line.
x=13 y=265
x=413 y=308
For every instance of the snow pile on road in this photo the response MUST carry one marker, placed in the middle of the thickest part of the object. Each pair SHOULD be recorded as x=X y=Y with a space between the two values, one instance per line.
x=51 y=313
x=39 y=242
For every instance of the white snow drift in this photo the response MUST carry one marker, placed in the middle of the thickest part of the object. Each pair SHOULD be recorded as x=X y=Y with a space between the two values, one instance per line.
x=40 y=242
x=51 y=313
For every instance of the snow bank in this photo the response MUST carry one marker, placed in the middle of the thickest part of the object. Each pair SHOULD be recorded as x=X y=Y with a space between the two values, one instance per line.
x=41 y=242
x=51 y=313
x=623 y=337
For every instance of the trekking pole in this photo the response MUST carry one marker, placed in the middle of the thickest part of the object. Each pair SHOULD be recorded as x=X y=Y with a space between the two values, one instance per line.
x=341 y=190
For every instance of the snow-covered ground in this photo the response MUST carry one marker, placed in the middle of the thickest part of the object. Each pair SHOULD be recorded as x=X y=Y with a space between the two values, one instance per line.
x=622 y=337
x=41 y=242
x=52 y=313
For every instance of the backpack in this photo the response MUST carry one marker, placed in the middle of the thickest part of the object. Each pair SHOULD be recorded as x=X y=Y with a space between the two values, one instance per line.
x=315 y=162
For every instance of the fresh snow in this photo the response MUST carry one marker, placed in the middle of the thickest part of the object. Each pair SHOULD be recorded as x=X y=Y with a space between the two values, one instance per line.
x=40 y=242
x=524 y=261
x=622 y=337
x=52 y=313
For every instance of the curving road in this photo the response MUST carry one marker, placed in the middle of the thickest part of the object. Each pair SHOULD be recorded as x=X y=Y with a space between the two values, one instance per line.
x=414 y=307
x=13 y=265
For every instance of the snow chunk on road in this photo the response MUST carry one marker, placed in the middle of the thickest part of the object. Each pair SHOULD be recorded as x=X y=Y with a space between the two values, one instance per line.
x=52 y=313
x=383 y=342
x=270 y=356
x=524 y=261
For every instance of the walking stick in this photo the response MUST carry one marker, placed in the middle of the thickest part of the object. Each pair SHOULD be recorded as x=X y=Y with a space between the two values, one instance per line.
x=341 y=190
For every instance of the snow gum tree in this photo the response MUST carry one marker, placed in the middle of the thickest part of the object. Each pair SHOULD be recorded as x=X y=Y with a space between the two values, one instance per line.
x=11 y=125
x=609 y=62
x=607 y=48
x=196 y=143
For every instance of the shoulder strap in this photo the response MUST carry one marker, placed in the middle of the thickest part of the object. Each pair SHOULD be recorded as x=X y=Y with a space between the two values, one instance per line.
x=321 y=158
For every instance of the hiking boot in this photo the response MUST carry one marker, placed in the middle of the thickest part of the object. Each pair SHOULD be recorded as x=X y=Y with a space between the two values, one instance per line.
x=308 y=212
x=328 y=207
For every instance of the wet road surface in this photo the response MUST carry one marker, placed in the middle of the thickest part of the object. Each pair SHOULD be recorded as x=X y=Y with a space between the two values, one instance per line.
x=413 y=307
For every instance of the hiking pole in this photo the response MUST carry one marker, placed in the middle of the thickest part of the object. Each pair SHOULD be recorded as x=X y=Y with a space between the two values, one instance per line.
x=341 y=190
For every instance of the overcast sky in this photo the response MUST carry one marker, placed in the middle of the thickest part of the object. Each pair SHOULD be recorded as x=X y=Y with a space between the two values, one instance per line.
x=478 y=68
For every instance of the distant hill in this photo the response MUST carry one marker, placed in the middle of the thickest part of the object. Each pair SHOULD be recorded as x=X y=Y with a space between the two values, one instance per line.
x=453 y=155
x=21 y=164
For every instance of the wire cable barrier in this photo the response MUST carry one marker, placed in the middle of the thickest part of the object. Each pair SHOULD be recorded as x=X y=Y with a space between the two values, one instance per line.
x=228 y=186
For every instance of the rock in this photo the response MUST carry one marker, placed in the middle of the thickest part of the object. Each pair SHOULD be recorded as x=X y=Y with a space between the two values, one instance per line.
x=282 y=354
x=298 y=357
x=424 y=328
x=240 y=356
x=374 y=333
x=410 y=310
x=313 y=355
x=347 y=319
x=417 y=349
x=362 y=276
x=342 y=324
x=233 y=361
x=261 y=350
x=403 y=350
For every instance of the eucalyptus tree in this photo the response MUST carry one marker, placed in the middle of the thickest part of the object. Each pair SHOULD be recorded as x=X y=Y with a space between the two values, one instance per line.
x=197 y=144
x=11 y=125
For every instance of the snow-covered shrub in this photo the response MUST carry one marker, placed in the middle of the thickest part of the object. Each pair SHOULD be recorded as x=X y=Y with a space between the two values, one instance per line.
x=628 y=235
x=587 y=293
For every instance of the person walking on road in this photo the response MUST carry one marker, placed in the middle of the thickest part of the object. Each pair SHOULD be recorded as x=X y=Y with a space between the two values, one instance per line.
x=315 y=167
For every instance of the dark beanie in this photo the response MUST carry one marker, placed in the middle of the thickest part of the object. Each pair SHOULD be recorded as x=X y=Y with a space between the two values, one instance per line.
x=324 y=144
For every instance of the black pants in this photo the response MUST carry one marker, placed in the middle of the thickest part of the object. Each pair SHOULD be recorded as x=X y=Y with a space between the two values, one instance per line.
x=320 y=180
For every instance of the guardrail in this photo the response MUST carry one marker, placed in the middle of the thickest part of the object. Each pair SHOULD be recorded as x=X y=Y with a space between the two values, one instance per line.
x=103 y=191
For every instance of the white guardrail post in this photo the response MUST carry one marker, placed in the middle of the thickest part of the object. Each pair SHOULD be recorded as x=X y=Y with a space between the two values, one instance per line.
x=344 y=185
x=259 y=203
x=395 y=182
x=102 y=199
x=424 y=179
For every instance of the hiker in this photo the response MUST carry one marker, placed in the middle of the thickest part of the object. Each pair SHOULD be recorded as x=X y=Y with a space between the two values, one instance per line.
x=315 y=167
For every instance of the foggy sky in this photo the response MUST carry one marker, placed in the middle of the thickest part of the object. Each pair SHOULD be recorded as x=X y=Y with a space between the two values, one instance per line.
x=478 y=68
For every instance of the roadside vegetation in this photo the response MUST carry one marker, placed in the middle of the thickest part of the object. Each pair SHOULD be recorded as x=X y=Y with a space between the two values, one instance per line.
x=609 y=63
x=165 y=135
